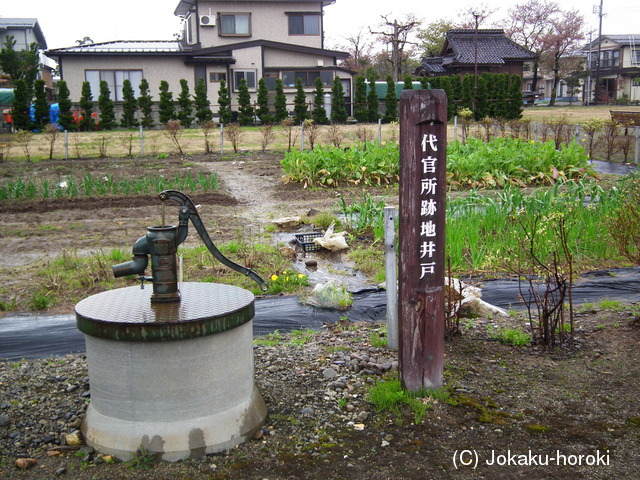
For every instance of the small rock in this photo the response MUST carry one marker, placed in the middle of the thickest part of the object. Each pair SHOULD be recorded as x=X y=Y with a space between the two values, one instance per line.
x=288 y=252
x=362 y=416
x=384 y=443
x=73 y=439
x=24 y=463
x=273 y=369
x=4 y=420
x=258 y=435
x=308 y=411
x=311 y=263
x=329 y=373
x=287 y=222
x=71 y=388
x=60 y=471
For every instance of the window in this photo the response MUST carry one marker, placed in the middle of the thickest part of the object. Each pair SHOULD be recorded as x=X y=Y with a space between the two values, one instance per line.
x=114 y=79
x=610 y=59
x=304 y=24
x=635 y=82
x=308 y=78
x=248 y=75
x=216 y=77
x=238 y=24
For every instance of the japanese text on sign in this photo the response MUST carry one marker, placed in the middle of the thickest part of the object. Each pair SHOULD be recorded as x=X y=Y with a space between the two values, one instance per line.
x=428 y=206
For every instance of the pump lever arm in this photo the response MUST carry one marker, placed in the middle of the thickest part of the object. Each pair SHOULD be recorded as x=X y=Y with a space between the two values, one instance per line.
x=184 y=200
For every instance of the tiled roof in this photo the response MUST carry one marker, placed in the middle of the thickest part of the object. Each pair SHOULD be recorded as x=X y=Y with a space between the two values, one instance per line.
x=493 y=47
x=124 y=46
x=432 y=65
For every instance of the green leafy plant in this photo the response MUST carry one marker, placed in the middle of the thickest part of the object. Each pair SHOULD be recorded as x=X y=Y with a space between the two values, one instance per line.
x=269 y=340
x=511 y=336
x=143 y=459
x=389 y=396
x=379 y=339
x=287 y=281
x=299 y=338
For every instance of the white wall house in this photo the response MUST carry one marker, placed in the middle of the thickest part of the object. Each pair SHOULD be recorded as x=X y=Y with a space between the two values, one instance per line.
x=221 y=40
x=26 y=31
x=619 y=69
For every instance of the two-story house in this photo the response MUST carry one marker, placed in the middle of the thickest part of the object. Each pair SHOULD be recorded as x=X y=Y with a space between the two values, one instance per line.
x=26 y=31
x=221 y=40
x=619 y=70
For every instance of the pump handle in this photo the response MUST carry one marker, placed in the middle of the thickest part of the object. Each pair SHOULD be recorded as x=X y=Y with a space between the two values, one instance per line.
x=185 y=201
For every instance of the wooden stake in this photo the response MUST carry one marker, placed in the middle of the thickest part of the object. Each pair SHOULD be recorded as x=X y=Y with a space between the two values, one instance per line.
x=423 y=144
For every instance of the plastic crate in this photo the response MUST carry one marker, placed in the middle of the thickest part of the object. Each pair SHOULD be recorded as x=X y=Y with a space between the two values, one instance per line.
x=305 y=240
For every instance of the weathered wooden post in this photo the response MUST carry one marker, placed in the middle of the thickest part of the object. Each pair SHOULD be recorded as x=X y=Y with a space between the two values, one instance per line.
x=423 y=144
x=391 y=273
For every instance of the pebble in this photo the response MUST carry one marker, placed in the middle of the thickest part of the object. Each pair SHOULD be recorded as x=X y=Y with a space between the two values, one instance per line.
x=4 y=420
x=73 y=439
x=24 y=463
x=48 y=410
x=329 y=373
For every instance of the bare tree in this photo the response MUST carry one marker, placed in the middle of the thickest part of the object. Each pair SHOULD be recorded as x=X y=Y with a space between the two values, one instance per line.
x=482 y=11
x=396 y=35
x=360 y=50
x=559 y=43
x=526 y=24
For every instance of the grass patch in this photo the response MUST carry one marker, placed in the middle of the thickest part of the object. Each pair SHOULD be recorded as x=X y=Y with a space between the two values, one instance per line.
x=299 y=338
x=269 y=340
x=378 y=338
x=370 y=260
x=607 y=304
x=510 y=336
x=389 y=396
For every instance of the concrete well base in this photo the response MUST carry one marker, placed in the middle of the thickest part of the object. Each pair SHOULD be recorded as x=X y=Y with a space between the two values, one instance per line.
x=176 y=440
x=180 y=389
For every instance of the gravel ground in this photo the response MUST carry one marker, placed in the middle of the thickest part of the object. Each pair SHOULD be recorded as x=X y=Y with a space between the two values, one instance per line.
x=320 y=424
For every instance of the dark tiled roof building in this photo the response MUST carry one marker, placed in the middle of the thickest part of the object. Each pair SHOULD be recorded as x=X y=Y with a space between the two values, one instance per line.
x=463 y=49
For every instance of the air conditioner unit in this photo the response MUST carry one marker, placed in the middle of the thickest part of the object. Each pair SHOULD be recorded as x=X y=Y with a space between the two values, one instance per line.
x=207 y=20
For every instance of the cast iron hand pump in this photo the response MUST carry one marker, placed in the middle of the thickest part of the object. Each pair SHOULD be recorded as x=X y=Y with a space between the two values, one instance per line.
x=161 y=243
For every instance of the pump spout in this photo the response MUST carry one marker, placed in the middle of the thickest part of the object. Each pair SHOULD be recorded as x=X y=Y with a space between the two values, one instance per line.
x=138 y=264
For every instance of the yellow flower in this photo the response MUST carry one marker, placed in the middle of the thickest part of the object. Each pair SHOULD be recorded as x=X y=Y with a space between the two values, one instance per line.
x=274 y=278
x=287 y=279
x=300 y=275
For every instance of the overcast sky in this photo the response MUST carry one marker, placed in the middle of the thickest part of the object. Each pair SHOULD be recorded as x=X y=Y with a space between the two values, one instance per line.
x=66 y=21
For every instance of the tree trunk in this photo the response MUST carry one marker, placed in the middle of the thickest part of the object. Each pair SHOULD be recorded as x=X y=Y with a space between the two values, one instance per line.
x=556 y=80
x=534 y=84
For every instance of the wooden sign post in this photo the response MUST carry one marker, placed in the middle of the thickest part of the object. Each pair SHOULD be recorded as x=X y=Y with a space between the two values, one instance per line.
x=423 y=145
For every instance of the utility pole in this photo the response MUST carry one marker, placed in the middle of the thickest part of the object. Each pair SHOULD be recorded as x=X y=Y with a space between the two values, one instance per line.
x=597 y=85
x=475 y=62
